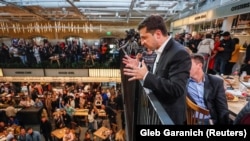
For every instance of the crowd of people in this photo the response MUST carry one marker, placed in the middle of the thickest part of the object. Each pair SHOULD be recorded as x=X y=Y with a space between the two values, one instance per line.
x=72 y=96
x=30 y=54
x=220 y=49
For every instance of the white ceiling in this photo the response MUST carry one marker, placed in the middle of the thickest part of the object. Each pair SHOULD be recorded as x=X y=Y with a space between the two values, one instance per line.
x=90 y=10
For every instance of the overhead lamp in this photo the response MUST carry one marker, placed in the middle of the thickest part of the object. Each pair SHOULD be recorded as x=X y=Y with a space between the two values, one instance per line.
x=117 y=14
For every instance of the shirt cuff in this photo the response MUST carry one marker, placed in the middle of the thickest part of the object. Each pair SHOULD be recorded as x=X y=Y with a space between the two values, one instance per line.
x=145 y=76
x=139 y=65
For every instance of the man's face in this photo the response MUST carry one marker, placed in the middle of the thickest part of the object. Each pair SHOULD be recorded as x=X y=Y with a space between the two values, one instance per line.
x=30 y=131
x=217 y=38
x=187 y=36
x=196 y=66
x=226 y=37
x=148 y=39
x=22 y=131
x=43 y=119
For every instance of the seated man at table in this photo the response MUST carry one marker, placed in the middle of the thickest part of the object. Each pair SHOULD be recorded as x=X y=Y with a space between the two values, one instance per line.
x=33 y=135
x=208 y=92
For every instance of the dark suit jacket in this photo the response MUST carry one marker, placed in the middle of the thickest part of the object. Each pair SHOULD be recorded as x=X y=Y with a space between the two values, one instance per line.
x=170 y=80
x=215 y=99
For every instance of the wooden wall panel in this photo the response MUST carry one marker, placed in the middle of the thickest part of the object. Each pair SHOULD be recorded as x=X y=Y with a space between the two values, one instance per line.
x=25 y=30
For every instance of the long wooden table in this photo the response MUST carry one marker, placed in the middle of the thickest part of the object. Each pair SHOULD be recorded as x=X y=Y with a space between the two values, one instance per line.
x=235 y=107
x=81 y=112
x=101 y=113
x=58 y=133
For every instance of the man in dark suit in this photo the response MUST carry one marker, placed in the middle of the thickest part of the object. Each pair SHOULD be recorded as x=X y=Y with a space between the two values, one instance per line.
x=168 y=78
x=46 y=128
x=208 y=92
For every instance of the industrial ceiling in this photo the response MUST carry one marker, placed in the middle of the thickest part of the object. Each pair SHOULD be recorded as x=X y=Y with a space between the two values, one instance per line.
x=90 y=10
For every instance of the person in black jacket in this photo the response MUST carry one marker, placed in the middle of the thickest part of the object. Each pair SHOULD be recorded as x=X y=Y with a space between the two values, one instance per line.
x=168 y=79
x=46 y=128
x=110 y=113
x=224 y=54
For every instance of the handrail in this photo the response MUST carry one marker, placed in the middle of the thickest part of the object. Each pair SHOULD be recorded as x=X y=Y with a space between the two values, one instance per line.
x=150 y=110
x=163 y=116
x=141 y=108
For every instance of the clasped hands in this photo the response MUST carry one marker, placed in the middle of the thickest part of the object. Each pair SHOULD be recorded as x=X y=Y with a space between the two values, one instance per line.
x=133 y=69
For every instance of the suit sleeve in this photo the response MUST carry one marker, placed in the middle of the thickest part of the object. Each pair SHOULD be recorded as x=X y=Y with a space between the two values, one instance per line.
x=221 y=103
x=172 y=77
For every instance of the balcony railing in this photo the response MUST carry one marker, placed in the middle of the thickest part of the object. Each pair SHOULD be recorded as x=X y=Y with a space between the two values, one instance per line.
x=141 y=108
x=150 y=111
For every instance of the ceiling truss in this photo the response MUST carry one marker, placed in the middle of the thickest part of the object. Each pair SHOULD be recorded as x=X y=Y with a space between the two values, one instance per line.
x=89 y=10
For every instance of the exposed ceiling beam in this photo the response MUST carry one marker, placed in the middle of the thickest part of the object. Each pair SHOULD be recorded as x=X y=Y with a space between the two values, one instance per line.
x=130 y=9
x=76 y=9
x=23 y=8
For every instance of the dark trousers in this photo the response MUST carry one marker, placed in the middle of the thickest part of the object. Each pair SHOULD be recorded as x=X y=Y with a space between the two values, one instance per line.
x=48 y=137
x=245 y=67
x=229 y=67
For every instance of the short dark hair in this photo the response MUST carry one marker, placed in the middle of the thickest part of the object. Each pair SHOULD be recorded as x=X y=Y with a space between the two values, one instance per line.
x=217 y=35
x=198 y=57
x=208 y=35
x=236 y=40
x=29 y=128
x=152 y=23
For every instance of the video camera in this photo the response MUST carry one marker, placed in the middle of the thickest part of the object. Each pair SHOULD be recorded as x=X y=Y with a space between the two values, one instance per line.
x=132 y=35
